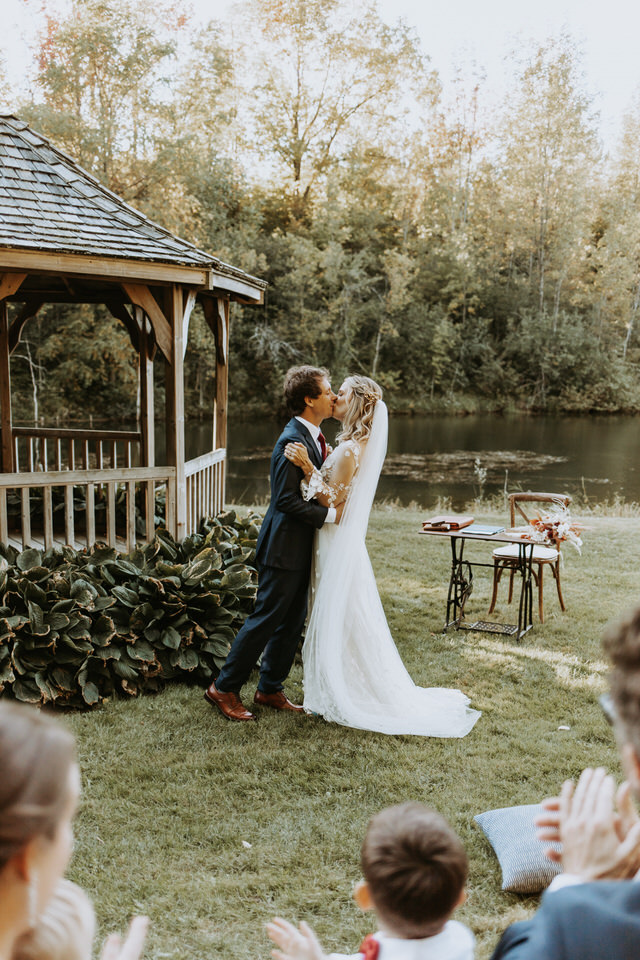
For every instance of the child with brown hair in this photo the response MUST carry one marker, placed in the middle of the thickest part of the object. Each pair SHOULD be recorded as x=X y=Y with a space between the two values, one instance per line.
x=415 y=869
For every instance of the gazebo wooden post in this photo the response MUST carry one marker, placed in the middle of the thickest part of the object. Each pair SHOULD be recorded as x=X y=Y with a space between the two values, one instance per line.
x=148 y=452
x=147 y=416
x=222 y=390
x=5 y=392
x=174 y=399
x=222 y=374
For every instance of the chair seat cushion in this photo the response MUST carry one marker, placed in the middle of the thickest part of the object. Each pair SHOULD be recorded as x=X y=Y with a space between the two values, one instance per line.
x=540 y=554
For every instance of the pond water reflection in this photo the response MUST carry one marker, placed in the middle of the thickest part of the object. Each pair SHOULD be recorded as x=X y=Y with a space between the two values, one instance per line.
x=598 y=455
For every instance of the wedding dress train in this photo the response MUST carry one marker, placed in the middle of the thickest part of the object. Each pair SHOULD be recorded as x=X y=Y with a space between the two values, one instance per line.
x=353 y=673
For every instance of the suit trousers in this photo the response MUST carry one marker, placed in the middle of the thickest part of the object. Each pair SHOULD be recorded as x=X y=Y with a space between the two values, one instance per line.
x=274 y=629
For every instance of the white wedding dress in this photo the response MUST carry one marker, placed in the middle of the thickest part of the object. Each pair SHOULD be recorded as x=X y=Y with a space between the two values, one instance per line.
x=353 y=674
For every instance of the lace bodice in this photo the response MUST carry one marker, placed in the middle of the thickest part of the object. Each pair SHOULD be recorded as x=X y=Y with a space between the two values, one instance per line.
x=334 y=480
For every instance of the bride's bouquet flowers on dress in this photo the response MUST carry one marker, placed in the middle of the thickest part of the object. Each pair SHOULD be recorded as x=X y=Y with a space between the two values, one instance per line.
x=553 y=528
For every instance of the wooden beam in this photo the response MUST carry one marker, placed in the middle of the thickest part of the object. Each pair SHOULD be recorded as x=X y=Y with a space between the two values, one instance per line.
x=141 y=296
x=120 y=312
x=222 y=345
x=57 y=296
x=222 y=284
x=9 y=283
x=100 y=268
x=217 y=322
x=189 y=304
x=29 y=310
x=5 y=392
x=174 y=405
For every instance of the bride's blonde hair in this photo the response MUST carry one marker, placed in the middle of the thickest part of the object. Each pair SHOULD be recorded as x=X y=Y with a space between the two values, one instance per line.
x=364 y=393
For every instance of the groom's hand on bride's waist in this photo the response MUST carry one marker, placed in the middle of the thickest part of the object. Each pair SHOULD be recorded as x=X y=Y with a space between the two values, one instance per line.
x=339 y=510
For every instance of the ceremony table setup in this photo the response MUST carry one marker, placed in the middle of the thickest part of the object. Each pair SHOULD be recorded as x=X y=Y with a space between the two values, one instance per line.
x=536 y=543
x=461 y=579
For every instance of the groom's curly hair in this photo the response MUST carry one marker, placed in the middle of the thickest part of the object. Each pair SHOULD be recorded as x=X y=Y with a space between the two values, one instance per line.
x=416 y=869
x=301 y=382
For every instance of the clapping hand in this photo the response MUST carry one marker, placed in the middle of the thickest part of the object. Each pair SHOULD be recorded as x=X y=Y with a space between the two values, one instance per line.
x=131 y=949
x=598 y=841
x=294 y=944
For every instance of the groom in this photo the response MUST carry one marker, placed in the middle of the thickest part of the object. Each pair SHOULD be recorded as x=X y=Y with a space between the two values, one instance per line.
x=283 y=556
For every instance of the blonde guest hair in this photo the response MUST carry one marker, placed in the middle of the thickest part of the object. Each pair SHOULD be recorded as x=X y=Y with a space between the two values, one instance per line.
x=64 y=931
x=364 y=393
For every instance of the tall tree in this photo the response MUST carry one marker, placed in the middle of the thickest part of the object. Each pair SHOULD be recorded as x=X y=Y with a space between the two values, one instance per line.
x=549 y=157
x=322 y=65
x=615 y=257
x=103 y=75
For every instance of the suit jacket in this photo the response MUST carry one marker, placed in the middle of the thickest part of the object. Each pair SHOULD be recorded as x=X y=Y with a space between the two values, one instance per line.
x=286 y=534
x=589 y=921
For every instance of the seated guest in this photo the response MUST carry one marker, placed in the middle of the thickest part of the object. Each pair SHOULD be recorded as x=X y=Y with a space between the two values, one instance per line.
x=415 y=869
x=39 y=790
x=584 y=915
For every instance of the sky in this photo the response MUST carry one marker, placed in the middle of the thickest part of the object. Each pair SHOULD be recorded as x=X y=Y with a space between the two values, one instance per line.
x=457 y=33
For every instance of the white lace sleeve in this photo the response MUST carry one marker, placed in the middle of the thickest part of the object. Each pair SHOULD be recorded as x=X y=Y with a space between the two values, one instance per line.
x=314 y=485
x=331 y=485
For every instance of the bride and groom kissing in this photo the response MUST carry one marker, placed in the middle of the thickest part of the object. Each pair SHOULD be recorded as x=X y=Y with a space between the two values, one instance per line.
x=313 y=535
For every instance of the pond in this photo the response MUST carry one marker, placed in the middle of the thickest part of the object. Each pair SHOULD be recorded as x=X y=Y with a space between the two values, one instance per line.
x=450 y=456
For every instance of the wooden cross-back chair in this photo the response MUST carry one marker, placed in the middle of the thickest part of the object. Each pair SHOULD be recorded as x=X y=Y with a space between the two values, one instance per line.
x=506 y=558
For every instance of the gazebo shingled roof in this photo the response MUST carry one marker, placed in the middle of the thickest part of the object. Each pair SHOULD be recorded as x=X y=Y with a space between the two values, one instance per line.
x=64 y=237
x=48 y=202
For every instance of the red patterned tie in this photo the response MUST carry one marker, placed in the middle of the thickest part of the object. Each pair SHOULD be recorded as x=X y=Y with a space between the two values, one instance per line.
x=323 y=446
x=370 y=948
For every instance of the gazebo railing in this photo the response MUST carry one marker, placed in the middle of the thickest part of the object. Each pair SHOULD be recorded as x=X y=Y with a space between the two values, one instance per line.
x=80 y=507
x=50 y=448
x=205 y=487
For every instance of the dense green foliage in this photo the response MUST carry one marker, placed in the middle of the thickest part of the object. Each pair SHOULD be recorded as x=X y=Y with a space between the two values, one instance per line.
x=464 y=257
x=79 y=626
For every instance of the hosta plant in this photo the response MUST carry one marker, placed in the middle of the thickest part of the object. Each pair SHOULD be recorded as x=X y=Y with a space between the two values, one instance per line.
x=77 y=626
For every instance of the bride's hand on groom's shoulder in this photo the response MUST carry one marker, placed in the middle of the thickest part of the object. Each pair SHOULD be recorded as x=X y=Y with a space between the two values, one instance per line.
x=297 y=454
x=294 y=944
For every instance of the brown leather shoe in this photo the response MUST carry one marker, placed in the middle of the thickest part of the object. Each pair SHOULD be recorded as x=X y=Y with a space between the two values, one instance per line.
x=229 y=704
x=276 y=700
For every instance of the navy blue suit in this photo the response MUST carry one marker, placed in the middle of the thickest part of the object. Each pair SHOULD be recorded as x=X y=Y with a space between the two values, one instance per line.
x=283 y=555
x=590 y=921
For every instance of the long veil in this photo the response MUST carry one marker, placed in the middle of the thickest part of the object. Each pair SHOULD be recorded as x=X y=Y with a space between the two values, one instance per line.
x=353 y=673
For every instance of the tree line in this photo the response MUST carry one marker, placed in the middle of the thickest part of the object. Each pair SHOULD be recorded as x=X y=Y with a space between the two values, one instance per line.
x=467 y=257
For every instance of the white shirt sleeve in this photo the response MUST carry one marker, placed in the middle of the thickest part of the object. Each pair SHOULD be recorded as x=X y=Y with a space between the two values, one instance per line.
x=564 y=880
x=331 y=515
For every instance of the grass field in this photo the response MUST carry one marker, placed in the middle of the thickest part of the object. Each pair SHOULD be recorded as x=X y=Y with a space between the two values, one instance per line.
x=174 y=794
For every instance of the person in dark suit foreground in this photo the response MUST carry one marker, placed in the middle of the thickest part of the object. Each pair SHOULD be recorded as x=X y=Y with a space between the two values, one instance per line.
x=592 y=909
x=283 y=556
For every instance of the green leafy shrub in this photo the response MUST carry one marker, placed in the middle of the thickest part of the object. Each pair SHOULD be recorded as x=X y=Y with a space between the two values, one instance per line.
x=79 y=626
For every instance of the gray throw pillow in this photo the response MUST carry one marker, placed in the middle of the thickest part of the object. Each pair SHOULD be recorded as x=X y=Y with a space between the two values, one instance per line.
x=511 y=833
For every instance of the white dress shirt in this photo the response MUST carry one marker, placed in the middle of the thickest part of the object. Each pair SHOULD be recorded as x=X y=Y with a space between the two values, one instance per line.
x=572 y=879
x=314 y=431
x=454 y=942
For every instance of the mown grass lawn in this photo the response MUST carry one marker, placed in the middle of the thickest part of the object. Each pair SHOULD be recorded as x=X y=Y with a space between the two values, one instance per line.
x=174 y=794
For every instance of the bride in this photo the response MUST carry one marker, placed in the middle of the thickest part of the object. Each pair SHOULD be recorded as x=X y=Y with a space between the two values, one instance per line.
x=353 y=673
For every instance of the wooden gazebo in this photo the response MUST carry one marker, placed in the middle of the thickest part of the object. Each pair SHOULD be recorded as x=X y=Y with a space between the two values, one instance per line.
x=65 y=238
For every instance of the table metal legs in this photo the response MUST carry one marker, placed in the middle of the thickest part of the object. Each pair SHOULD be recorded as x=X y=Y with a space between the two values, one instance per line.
x=461 y=586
